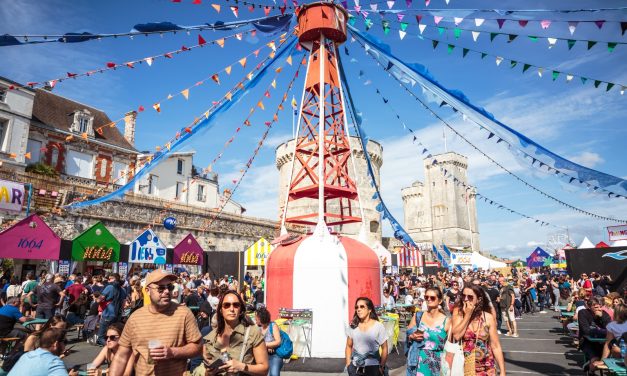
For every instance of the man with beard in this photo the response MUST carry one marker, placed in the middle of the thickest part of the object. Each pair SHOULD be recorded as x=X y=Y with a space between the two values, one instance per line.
x=163 y=334
x=112 y=299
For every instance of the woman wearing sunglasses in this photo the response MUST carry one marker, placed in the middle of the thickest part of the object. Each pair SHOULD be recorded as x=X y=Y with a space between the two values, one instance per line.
x=114 y=331
x=427 y=337
x=473 y=324
x=236 y=346
x=366 y=345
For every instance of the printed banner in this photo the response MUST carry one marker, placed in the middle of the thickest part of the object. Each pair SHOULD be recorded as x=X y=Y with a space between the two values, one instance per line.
x=123 y=269
x=258 y=253
x=617 y=232
x=188 y=252
x=64 y=267
x=147 y=249
x=11 y=195
x=461 y=258
x=96 y=244
x=30 y=239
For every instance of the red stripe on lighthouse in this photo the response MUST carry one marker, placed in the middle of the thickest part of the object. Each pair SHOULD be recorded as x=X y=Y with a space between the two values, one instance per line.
x=364 y=273
x=280 y=278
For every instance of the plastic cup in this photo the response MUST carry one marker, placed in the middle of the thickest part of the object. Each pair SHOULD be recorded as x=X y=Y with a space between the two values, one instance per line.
x=152 y=344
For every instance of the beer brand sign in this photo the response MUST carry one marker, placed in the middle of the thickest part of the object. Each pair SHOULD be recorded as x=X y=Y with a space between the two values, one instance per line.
x=96 y=244
x=30 y=239
x=617 y=233
x=147 y=249
x=188 y=252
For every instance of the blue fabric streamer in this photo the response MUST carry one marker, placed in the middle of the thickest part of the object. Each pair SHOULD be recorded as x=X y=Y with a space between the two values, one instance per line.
x=153 y=27
x=204 y=125
x=416 y=73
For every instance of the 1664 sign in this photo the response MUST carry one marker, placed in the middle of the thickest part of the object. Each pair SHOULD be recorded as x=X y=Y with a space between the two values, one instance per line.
x=189 y=258
x=98 y=253
x=29 y=245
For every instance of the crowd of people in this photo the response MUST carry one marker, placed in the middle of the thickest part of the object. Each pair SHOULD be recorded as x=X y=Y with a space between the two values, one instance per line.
x=168 y=324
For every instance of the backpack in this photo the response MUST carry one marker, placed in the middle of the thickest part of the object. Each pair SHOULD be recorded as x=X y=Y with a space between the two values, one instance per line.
x=506 y=297
x=286 y=348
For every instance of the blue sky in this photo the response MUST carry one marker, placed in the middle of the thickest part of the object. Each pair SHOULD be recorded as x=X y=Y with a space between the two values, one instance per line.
x=577 y=121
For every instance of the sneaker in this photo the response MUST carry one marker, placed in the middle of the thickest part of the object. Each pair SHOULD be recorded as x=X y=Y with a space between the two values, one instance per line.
x=499 y=332
x=515 y=335
x=543 y=311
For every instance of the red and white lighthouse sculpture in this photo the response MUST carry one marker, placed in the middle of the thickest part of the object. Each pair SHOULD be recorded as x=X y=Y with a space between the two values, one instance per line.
x=322 y=271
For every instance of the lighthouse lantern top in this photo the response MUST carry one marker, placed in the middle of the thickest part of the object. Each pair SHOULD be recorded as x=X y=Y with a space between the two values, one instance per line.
x=323 y=18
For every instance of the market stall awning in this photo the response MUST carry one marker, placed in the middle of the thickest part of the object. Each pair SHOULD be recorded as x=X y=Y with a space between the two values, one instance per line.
x=96 y=244
x=188 y=252
x=147 y=248
x=601 y=245
x=30 y=239
x=257 y=253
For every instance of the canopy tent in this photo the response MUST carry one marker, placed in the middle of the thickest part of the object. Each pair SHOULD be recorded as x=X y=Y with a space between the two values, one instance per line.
x=384 y=255
x=410 y=257
x=147 y=248
x=480 y=261
x=537 y=258
x=30 y=239
x=97 y=244
x=188 y=252
x=586 y=243
x=601 y=244
x=257 y=254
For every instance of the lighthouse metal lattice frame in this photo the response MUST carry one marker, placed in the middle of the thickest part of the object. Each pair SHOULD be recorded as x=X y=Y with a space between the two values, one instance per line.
x=322 y=148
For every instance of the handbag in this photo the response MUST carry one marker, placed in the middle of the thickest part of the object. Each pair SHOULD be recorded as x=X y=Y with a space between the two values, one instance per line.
x=452 y=358
x=470 y=359
x=286 y=348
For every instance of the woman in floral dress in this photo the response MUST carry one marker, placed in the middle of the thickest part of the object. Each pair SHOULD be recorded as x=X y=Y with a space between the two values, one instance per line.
x=474 y=324
x=431 y=333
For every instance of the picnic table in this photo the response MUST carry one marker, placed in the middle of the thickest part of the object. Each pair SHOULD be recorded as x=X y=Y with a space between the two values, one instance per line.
x=27 y=324
x=594 y=339
x=567 y=314
x=615 y=366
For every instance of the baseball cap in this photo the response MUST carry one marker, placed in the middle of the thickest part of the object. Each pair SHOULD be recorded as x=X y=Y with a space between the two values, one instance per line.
x=158 y=275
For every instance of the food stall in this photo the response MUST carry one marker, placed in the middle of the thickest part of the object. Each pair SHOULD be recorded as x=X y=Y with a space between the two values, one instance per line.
x=95 y=251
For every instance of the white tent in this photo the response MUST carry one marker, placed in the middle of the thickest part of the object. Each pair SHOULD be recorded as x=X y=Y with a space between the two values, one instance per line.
x=383 y=254
x=586 y=243
x=620 y=243
x=480 y=261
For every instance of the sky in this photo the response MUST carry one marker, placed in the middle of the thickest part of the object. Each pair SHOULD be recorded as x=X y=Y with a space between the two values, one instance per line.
x=584 y=124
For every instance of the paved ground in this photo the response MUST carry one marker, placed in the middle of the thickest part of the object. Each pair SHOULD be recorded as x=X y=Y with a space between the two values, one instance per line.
x=542 y=349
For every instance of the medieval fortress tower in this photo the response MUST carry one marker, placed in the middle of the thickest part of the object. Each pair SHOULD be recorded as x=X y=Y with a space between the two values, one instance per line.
x=438 y=211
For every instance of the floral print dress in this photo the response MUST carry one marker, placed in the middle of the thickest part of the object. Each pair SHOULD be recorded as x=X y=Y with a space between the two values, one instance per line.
x=429 y=355
x=478 y=342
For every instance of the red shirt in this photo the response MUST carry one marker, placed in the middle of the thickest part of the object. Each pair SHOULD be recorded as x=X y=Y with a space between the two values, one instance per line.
x=75 y=291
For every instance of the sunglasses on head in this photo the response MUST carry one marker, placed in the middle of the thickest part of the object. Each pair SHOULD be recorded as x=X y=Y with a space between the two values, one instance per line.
x=162 y=288
x=431 y=298
x=112 y=338
x=361 y=306
x=470 y=298
x=227 y=305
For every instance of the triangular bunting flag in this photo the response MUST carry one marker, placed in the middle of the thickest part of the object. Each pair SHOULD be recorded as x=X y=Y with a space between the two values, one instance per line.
x=525 y=67
x=545 y=24
x=475 y=35
x=501 y=22
x=229 y=96
x=555 y=74
x=609 y=86
x=611 y=46
x=404 y=26
x=256 y=53
x=571 y=43
x=374 y=7
x=623 y=27
x=260 y=105
x=216 y=78
x=216 y=7
x=418 y=18
x=434 y=43
x=422 y=28
x=386 y=26
x=289 y=60
x=201 y=40
x=235 y=11
x=157 y=107
x=591 y=43
x=599 y=23
x=441 y=30
x=492 y=36
x=437 y=19
x=228 y=69
x=483 y=54
x=511 y=37
x=464 y=52
x=583 y=80
x=533 y=38
x=552 y=42
x=498 y=60
x=572 y=25
x=523 y=23
x=513 y=63
x=185 y=93
x=597 y=83
x=242 y=62
x=273 y=84
x=479 y=21
x=402 y=34
x=272 y=45
x=149 y=61
x=540 y=70
x=569 y=77
x=266 y=10
x=220 y=42
x=427 y=2
x=390 y=4
x=457 y=33
x=457 y=20
x=450 y=48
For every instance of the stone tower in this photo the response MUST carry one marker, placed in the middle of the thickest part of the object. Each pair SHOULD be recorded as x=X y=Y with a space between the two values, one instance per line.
x=439 y=211
x=366 y=191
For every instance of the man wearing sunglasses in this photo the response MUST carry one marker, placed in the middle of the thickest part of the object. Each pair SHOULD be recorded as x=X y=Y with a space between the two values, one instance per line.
x=170 y=330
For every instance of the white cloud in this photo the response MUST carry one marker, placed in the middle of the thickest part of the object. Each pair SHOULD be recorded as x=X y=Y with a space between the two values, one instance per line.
x=588 y=159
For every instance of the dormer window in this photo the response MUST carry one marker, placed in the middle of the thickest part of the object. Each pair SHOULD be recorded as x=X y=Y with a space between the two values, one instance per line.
x=83 y=122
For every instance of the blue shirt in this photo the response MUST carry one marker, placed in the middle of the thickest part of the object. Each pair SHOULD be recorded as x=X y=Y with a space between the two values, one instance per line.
x=114 y=295
x=11 y=311
x=39 y=362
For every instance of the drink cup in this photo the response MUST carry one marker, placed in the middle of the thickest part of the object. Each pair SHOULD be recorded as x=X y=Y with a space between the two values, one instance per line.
x=152 y=344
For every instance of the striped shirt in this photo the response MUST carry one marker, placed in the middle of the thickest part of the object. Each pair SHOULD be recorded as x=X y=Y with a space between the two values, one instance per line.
x=175 y=327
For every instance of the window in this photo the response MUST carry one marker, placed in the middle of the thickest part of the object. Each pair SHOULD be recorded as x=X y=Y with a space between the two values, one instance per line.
x=4 y=125
x=119 y=173
x=152 y=184
x=83 y=125
x=374 y=226
x=179 y=166
x=201 y=193
x=54 y=157
x=3 y=94
x=34 y=148
x=179 y=190
x=103 y=167
x=79 y=164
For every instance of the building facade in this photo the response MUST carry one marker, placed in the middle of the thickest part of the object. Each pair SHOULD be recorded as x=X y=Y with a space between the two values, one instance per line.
x=438 y=211
x=372 y=218
x=16 y=109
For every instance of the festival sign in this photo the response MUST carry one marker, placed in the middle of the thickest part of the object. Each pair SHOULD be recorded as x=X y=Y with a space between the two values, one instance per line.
x=147 y=249
x=30 y=239
x=537 y=258
x=96 y=244
x=258 y=253
x=11 y=196
x=461 y=258
x=617 y=232
x=188 y=252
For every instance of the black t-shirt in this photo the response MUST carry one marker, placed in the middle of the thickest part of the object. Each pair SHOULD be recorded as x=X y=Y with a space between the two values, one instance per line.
x=259 y=296
x=93 y=309
x=541 y=285
x=493 y=294
x=452 y=295
x=47 y=295
x=192 y=300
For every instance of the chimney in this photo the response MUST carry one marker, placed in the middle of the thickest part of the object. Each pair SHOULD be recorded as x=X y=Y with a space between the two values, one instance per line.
x=129 y=126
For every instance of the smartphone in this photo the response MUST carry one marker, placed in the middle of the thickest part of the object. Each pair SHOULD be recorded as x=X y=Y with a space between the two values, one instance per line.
x=215 y=365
